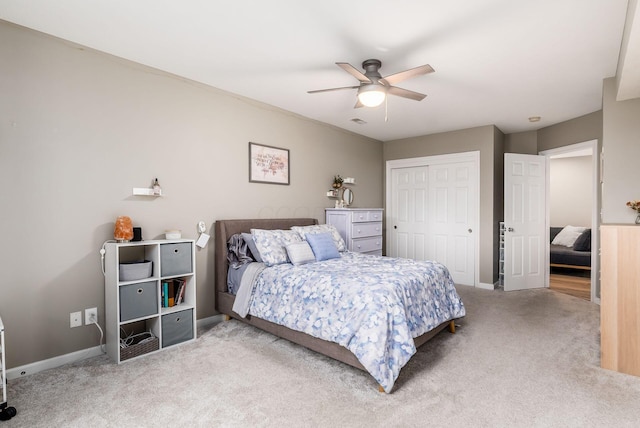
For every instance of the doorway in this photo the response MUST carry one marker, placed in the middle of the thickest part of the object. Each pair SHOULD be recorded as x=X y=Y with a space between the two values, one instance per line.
x=576 y=204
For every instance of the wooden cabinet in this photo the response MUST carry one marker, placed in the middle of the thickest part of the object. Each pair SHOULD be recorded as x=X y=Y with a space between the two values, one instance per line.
x=361 y=228
x=144 y=310
x=620 y=298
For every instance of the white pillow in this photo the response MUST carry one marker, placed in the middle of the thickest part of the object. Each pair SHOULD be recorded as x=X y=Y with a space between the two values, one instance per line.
x=300 y=253
x=568 y=235
x=271 y=244
x=322 y=228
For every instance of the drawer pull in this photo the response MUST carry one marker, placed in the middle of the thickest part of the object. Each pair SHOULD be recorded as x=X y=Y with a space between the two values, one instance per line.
x=140 y=291
x=178 y=319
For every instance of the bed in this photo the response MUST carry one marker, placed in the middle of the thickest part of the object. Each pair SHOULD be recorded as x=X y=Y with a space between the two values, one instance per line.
x=572 y=253
x=224 y=301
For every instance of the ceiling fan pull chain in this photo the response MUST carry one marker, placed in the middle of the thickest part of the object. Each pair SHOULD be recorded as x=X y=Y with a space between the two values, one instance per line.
x=386 y=109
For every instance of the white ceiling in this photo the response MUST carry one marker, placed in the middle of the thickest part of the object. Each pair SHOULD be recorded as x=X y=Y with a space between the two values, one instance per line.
x=496 y=61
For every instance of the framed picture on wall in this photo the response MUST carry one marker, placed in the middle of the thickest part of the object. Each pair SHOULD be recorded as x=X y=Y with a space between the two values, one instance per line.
x=268 y=164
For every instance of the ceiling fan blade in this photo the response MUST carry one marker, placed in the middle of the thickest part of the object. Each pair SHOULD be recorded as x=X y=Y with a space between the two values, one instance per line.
x=405 y=93
x=332 y=89
x=353 y=71
x=392 y=79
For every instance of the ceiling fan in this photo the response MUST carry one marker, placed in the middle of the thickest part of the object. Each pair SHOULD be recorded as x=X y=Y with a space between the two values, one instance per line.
x=374 y=88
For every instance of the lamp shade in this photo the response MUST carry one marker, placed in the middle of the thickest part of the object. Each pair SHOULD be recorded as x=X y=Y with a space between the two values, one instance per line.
x=123 y=231
x=371 y=95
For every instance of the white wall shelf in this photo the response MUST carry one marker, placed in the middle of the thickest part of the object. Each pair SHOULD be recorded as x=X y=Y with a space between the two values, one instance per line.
x=145 y=191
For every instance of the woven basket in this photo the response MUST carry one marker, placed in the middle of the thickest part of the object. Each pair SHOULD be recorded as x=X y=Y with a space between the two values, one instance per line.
x=136 y=350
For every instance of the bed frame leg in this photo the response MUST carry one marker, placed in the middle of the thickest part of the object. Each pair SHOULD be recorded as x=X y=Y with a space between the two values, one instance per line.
x=452 y=327
x=380 y=388
x=225 y=317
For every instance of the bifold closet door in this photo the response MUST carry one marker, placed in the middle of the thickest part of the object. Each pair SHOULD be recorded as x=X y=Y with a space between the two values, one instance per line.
x=453 y=201
x=433 y=216
x=409 y=213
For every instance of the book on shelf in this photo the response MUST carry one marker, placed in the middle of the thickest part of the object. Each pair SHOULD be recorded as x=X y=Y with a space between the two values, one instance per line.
x=179 y=289
x=165 y=294
x=170 y=294
x=162 y=295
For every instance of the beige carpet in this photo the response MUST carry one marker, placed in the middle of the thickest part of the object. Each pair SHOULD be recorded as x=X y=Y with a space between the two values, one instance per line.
x=519 y=359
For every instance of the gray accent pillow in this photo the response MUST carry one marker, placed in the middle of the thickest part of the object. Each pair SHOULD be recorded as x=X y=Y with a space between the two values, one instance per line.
x=248 y=238
x=583 y=243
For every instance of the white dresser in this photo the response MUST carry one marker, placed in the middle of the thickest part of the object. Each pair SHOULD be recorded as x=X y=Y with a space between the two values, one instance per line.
x=361 y=228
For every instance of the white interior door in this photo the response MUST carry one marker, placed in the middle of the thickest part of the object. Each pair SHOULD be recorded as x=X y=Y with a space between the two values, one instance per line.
x=408 y=214
x=453 y=197
x=524 y=221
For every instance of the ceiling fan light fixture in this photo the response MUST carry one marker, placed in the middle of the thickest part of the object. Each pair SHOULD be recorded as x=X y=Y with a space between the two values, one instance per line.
x=371 y=95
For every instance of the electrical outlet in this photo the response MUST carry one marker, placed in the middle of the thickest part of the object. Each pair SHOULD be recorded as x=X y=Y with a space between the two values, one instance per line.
x=90 y=316
x=75 y=319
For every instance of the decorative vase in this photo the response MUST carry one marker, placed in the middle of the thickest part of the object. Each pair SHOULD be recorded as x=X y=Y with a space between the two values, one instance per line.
x=638 y=218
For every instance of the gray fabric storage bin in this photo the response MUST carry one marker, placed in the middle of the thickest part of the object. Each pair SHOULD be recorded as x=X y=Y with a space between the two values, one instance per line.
x=175 y=259
x=138 y=300
x=133 y=271
x=177 y=327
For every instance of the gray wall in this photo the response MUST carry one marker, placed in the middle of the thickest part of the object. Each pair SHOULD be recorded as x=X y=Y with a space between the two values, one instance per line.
x=570 y=191
x=488 y=140
x=572 y=131
x=621 y=133
x=525 y=143
x=80 y=129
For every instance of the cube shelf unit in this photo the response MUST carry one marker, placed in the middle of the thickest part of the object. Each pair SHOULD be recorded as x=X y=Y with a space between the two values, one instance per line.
x=135 y=307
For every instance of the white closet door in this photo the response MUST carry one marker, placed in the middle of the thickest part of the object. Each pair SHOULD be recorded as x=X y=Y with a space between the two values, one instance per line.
x=453 y=201
x=433 y=212
x=408 y=216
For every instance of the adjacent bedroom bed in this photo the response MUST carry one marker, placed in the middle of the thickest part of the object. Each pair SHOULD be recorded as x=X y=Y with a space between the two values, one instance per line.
x=570 y=247
x=294 y=278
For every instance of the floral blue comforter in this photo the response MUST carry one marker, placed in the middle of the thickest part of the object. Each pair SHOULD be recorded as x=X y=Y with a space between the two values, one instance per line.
x=372 y=305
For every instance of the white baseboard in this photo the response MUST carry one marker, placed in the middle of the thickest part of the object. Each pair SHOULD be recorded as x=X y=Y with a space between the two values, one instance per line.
x=485 y=286
x=38 y=366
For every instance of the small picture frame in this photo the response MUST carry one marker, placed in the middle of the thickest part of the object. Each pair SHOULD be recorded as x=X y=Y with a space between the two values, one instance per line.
x=268 y=164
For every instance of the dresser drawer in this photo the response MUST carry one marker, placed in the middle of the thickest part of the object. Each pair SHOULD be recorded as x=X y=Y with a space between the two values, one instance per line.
x=360 y=216
x=365 y=245
x=362 y=230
